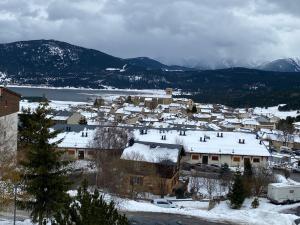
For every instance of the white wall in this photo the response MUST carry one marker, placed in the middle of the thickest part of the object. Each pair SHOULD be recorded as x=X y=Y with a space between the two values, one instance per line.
x=9 y=132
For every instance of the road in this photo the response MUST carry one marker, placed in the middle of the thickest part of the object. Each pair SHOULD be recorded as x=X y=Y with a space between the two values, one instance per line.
x=145 y=218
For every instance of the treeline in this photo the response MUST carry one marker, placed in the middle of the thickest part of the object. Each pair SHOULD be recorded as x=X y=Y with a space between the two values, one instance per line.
x=236 y=87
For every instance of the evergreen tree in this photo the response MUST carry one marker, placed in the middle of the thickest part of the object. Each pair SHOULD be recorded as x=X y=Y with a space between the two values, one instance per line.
x=247 y=178
x=91 y=209
x=237 y=193
x=225 y=174
x=194 y=109
x=44 y=173
x=255 y=203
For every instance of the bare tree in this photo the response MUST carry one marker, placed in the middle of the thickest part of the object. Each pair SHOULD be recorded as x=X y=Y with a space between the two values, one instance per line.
x=262 y=177
x=195 y=186
x=108 y=143
x=210 y=185
x=165 y=167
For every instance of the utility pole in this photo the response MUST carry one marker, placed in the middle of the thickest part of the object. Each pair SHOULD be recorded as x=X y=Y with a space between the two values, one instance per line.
x=15 y=202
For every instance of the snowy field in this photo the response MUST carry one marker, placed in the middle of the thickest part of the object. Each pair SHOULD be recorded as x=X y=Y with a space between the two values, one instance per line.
x=56 y=105
x=273 y=111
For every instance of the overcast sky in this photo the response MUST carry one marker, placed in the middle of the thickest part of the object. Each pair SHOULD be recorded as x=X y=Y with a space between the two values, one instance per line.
x=172 y=31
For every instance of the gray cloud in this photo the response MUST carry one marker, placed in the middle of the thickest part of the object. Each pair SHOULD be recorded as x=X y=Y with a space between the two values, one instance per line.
x=174 y=31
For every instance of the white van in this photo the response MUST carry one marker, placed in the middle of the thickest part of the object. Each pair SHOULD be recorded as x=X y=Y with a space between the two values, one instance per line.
x=280 y=193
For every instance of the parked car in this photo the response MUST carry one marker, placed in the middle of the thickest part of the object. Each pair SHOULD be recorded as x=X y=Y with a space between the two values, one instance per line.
x=285 y=149
x=207 y=167
x=164 y=203
x=297 y=152
x=296 y=170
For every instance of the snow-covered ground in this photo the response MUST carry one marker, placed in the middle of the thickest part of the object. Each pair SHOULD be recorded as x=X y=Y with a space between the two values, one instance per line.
x=273 y=111
x=265 y=214
x=56 y=105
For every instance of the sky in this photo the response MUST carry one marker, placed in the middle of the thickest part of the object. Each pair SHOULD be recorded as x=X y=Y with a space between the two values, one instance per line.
x=185 y=32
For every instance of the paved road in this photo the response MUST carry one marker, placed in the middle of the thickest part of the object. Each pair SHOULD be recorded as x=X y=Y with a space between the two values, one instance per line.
x=143 y=218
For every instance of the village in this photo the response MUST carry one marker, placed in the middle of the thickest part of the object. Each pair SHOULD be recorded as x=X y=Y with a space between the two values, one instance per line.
x=160 y=150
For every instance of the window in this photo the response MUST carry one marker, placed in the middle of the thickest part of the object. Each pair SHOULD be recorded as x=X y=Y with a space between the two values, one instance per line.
x=256 y=160
x=136 y=180
x=215 y=158
x=195 y=157
x=71 y=152
x=291 y=191
x=236 y=159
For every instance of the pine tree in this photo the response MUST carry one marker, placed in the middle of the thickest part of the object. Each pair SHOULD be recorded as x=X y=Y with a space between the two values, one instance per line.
x=44 y=173
x=248 y=178
x=237 y=193
x=91 y=209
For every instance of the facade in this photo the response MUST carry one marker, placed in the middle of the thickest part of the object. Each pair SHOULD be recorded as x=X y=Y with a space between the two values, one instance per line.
x=9 y=108
x=154 y=167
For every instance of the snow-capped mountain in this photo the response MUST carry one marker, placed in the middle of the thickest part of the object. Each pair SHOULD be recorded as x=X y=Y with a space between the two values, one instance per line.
x=282 y=65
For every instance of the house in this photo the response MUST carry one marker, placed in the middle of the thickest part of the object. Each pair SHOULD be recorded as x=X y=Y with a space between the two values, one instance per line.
x=9 y=108
x=77 y=141
x=154 y=167
x=297 y=126
x=211 y=147
x=279 y=139
x=67 y=117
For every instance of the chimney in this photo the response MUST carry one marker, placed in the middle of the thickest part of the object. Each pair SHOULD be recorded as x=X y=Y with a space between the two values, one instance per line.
x=243 y=141
x=218 y=134
x=184 y=133
x=221 y=135
x=82 y=134
x=162 y=137
x=86 y=134
x=180 y=133
x=239 y=141
x=200 y=139
x=204 y=139
x=260 y=142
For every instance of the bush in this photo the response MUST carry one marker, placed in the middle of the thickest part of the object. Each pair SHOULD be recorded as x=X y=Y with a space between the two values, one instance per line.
x=255 y=203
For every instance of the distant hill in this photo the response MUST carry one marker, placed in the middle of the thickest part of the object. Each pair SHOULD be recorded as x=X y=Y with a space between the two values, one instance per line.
x=282 y=65
x=50 y=56
x=151 y=64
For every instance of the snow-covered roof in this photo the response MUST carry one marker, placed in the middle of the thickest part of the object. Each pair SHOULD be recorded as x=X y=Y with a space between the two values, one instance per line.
x=250 y=122
x=151 y=152
x=229 y=144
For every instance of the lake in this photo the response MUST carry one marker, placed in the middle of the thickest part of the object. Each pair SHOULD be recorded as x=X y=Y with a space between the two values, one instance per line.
x=77 y=95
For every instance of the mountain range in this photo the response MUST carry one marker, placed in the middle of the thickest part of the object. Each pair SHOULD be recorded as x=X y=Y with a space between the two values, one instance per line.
x=46 y=55
x=60 y=64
